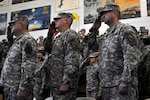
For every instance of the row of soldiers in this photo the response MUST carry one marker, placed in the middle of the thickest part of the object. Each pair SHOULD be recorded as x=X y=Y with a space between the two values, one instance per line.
x=114 y=59
x=24 y=73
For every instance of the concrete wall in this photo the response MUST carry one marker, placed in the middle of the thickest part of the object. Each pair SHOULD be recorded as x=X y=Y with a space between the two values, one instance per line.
x=77 y=25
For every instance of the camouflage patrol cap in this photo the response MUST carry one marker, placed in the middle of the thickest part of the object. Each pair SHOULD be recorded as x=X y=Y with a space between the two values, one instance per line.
x=143 y=29
x=82 y=30
x=41 y=37
x=93 y=54
x=64 y=15
x=108 y=7
x=20 y=18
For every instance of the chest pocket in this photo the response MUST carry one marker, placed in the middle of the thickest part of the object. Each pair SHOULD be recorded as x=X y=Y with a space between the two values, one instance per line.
x=112 y=43
x=14 y=53
x=58 y=46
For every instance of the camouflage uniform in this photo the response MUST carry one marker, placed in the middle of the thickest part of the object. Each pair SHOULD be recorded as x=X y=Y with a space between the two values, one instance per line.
x=64 y=64
x=92 y=72
x=40 y=77
x=92 y=85
x=17 y=72
x=118 y=60
x=144 y=70
x=41 y=87
x=85 y=50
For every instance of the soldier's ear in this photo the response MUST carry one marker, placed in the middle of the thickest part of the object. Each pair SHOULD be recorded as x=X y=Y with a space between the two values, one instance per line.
x=65 y=20
x=22 y=25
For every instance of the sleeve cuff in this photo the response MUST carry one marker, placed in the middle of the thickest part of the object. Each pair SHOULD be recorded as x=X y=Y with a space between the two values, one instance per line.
x=21 y=88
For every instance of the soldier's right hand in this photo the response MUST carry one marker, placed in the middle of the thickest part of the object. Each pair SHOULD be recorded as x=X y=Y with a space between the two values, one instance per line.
x=9 y=33
x=96 y=24
x=52 y=29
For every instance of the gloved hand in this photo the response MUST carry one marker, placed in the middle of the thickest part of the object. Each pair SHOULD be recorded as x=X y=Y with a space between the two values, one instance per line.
x=96 y=24
x=52 y=29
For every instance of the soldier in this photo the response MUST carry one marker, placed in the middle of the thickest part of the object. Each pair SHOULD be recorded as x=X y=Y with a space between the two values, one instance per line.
x=40 y=41
x=19 y=65
x=144 y=70
x=40 y=90
x=64 y=60
x=84 y=44
x=119 y=56
x=92 y=85
x=82 y=34
x=92 y=72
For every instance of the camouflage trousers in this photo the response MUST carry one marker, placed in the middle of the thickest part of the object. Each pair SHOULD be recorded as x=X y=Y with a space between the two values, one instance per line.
x=11 y=94
x=112 y=93
x=69 y=95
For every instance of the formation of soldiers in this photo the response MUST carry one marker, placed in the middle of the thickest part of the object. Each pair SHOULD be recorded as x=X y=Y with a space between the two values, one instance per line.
x=116 y=63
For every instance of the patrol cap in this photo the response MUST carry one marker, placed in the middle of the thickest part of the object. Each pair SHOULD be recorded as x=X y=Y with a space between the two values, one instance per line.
x=108 y=7
x=64 y=15
x=41 y=37
x=20 y=18
x=82 y=30
x=143 y=29
x=93 y=54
